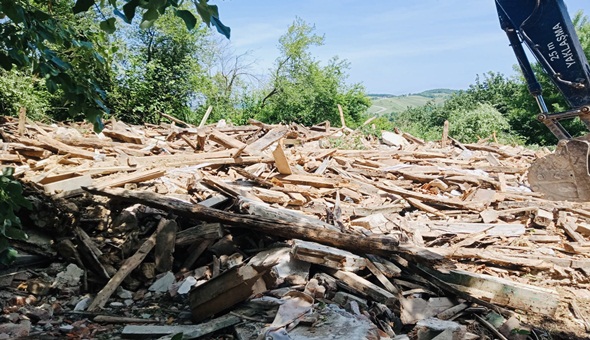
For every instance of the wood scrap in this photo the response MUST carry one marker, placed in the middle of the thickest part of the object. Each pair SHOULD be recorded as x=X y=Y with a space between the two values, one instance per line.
x=463 y=205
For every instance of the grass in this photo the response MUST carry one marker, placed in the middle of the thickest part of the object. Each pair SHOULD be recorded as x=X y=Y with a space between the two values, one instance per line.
x=385 y=104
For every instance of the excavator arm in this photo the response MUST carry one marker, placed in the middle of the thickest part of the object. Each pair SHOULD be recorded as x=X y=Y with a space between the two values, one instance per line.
x=545 y=27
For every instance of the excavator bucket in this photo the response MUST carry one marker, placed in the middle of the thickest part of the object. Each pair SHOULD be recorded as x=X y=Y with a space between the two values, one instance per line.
x=564 y=174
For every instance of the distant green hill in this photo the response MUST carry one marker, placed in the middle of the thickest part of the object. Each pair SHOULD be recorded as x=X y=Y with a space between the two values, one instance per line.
x=386 y=103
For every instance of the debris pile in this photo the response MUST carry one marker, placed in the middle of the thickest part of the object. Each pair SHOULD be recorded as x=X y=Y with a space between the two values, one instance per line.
x=285 y=232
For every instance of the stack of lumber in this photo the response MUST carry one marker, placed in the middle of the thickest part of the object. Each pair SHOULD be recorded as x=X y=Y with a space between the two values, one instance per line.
x=435 y=240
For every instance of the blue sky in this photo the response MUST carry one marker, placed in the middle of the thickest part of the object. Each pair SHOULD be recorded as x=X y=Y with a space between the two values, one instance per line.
x=394 y=46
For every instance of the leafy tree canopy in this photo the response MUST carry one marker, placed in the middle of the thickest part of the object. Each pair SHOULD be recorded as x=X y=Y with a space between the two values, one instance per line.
x=306 y=92
x=39 y=36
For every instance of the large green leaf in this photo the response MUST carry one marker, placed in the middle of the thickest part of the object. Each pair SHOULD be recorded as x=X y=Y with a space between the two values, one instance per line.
x=3 y=244
x=204 y=11
x=82 y=6
x=151 y=14
x=129 y=9
x=7 y=171
x=145 y=24
x=7 y=256
x=14 y=11
x=156 y=4
x=189 y=19
x=221 y=28
x=15 y=233
x=95 y=117
x=108 y=25
x=121 y=15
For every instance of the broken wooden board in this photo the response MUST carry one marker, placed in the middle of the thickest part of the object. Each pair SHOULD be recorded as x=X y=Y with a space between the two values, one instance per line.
x=365 y=287
x=129 y=265
x=502 y=292
x=189 y=331
x=438 y=228
x=327 y=256
x=67 y=185
x=224 y=291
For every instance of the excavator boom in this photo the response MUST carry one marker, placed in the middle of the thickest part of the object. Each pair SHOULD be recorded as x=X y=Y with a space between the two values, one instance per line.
x=545 y=27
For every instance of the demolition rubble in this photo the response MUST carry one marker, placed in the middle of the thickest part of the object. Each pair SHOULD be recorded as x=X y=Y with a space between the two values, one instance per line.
x=176 y=231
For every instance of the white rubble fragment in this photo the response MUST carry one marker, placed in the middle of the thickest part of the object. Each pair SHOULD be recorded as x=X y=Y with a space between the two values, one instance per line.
x=432 y=328
x=68 y=278
x=66 y=328
x=124 y=293
x=186 y=285
x=393 y=139
x=83 y=304
x=163 y=284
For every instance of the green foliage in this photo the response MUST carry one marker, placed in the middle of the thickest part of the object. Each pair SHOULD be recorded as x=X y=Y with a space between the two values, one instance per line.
x=11 y=200
x=306 y=92
x=21 y=89
x=390 y=105
x=508 y=96
x=494 y=103
x=160 y=72
x=48 y=41
x=31 y=38
x=345 y=142
x=152 y=10
x=481 y=122
x=424 y=121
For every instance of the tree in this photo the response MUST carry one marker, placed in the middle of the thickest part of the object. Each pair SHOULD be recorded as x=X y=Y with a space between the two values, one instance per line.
x=232 y=86
x=470 y=125
x=35 y=36
x=160 y=72
x=306 y=92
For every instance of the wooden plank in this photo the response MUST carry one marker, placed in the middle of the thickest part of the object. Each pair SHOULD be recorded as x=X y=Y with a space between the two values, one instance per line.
x=342 y=121
x=189 y=331
x=445 y=135
x=543 y=218
x=388 y=269
x=569 y=226
x=281 y=161
x=165 y=244
x=502 y=292
x=313 y=180
x=22 y=119
x=545 y=238
x=381 y=277
x=223 y=161
x=176 y=120
x=365 y=287
x=130 y=264
x=225 y=291
x=206 y=116
x=327 y=256
x=453 y=203
x=90 y=253
x=195 y=251
x=271 y=196
x=9 y=158
x=300 y=229
x=134 y=177
x=267 y=140
x=57 y=146
x=122 y=135
x=67 y=185
x=437 y=228
x=210 y=231
x=225 y=140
